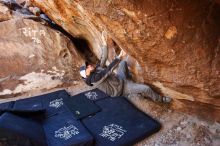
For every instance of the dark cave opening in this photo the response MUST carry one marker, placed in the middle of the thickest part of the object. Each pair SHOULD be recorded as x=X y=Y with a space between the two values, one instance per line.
x=84 y=49
x=82 y=45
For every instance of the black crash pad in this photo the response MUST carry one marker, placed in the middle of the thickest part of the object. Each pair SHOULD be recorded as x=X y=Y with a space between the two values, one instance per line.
x=63 y=130
x=119 y=123
x=81 y=107
x=15 y=130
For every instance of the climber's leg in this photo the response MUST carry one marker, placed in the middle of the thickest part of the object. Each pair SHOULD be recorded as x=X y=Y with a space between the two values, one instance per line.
x=135 y=88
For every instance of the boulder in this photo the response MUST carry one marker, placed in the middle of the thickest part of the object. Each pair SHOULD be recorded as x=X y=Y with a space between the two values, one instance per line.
x=35 y=57
x=174 y=45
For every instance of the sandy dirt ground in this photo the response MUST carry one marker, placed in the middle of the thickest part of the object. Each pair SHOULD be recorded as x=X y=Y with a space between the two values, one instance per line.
x=178 y=129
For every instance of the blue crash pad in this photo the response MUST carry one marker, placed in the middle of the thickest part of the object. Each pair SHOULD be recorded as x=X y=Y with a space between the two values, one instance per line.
x=103 y=120
x=15 y=130
x=6 y=106
x=119 y=123
x=54 y=102
x=22 y=107
x=57 y=121
x=28 y=104
x=51 y=104
x=64 y=130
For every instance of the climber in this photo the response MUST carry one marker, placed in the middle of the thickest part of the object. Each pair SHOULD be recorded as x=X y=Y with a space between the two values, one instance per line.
x=117 y=84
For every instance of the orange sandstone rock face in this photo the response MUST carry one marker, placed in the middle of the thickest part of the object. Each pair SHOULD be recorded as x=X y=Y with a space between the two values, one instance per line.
x=34 y=57
x=174 y=45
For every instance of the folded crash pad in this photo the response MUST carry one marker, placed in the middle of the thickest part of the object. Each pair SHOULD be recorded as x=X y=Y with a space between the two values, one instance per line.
x=29 y=108
x=53 y=103
x=119 y=123
x=94 y=94
x=28 y=104
x=15 y=130
x=6 y=106
x=63 y=130
x=23 y=108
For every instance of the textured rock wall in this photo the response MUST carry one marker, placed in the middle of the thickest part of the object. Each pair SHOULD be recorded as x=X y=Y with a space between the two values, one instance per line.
x=34 y=57
x=174 y=44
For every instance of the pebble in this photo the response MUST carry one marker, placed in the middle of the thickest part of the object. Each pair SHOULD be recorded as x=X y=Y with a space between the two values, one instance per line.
x=179 y=128
x=75 y=83
x=202 y=123
x=183 y=122
x=188 y=136
x=169 y=111
x=207 y=141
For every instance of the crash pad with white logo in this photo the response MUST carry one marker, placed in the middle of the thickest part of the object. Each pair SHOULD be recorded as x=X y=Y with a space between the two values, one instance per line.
x=119 y=123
